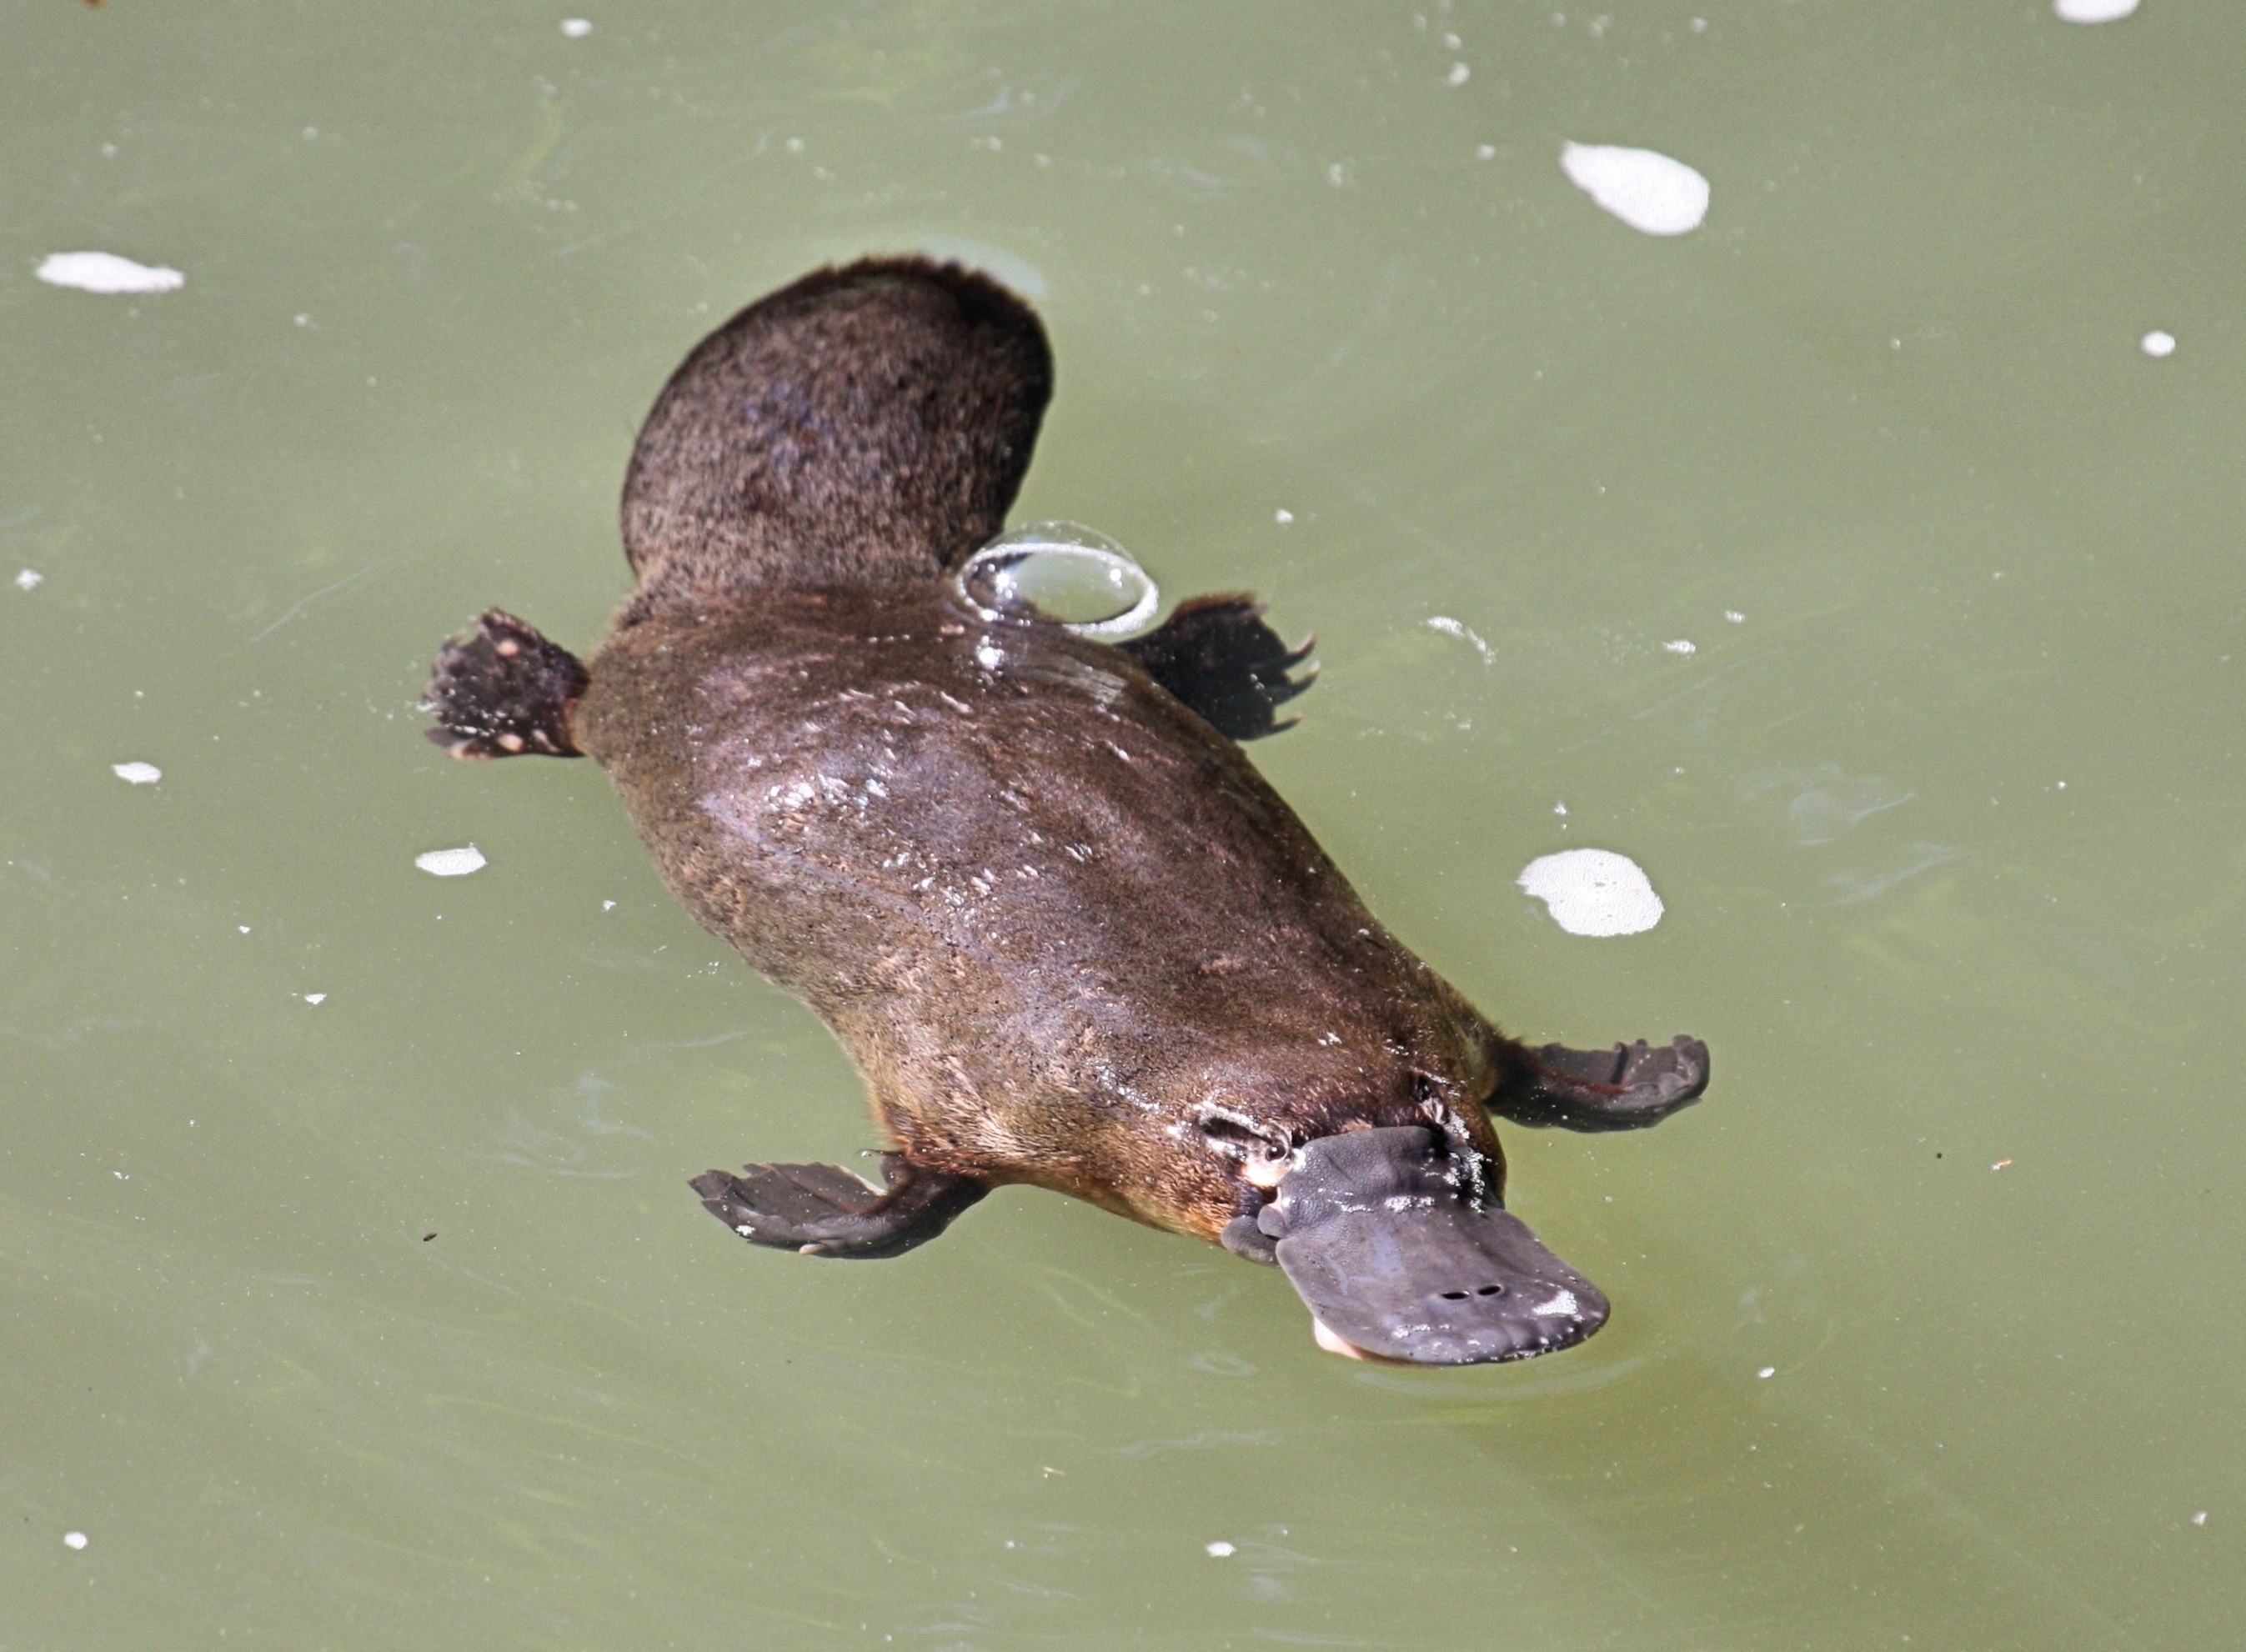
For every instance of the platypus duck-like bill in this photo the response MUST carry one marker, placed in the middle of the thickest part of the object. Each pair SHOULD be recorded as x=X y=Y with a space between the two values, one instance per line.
x=1068 y=933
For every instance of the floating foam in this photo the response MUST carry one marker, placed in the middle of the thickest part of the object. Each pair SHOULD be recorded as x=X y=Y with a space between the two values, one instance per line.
x=1219 y=1550
x=1647 y=190
x=1592 y=891
x=1682 y=645
x=30 y=580
x=2093 y=10
x=74 y=1540
x=1464 y=632
x=451 y=863
x=576 y=28
x=2157 y=343
x=107 y=272
x=136 y=774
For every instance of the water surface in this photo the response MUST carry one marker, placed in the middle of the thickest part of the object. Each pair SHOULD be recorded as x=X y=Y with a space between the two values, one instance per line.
x=386 y=1319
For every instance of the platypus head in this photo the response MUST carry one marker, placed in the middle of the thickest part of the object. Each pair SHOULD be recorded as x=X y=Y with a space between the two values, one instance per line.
x=1402 y=1254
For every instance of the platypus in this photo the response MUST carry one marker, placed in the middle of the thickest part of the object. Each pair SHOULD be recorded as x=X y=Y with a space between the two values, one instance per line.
x=1067 y=932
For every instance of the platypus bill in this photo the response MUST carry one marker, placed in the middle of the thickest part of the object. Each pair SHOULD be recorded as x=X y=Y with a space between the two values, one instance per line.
x=1068 y=933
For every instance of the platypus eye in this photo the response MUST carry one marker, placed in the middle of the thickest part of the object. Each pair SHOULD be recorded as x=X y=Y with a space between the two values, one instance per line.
x=1245 y=1136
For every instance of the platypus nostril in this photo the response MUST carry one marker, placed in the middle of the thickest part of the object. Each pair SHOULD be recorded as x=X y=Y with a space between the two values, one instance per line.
x=1490 y=1290
x=1454 y=1296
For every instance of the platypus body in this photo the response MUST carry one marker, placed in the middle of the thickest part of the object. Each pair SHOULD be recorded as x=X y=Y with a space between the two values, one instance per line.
x=1068 y=933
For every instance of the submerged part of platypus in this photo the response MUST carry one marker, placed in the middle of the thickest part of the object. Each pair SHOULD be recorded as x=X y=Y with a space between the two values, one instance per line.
x=1067 y=931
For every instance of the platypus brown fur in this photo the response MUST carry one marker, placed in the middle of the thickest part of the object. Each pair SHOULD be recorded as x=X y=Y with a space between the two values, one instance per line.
x=1069 y=934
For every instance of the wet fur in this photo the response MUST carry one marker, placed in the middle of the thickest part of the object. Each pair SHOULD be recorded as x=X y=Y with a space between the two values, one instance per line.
x=1057 y=920
x=1068 y=933
x=863 y=424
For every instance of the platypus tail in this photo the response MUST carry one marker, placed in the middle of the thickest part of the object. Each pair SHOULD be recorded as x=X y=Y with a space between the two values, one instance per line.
x=865 y=423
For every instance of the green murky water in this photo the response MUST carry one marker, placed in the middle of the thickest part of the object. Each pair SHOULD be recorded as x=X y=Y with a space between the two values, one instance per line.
x=387 y=1321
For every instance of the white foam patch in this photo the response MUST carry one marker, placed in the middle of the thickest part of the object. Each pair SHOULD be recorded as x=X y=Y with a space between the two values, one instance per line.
x=451 y=863
x=1682 y=645
x=75 y=1540
x=315 y=998
x=1562 y=1302
x=1464 y=632
x=2091 y=11
x=1647 y=190
x=107 y=272
x=2157 y=343
x=1217 y=1551
x=136 y=774
x=30 y=580
x=576 y=28
x=1592 y=891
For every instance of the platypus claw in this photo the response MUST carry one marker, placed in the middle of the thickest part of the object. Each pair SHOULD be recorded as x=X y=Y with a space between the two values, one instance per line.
x=1627 y=1087
x=822 y=1210
x=1215 y=654
x=503 y=690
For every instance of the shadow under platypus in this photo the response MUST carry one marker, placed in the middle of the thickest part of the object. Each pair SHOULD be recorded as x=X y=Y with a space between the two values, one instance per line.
x=1069 y=934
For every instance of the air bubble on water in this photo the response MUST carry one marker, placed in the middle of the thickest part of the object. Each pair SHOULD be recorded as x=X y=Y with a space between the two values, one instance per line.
x=576 y=28
x=2091 y=11
x=2157 y=343
x=136 y=774
x=1218 y=1551
x=1681 y=646
x=1064 y=572
x=30 y=580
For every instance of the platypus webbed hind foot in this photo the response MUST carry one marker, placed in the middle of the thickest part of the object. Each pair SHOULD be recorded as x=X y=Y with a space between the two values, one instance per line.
x=1625 y=1088
x=503 y=690
x=1215 y=654
x=822 y=1210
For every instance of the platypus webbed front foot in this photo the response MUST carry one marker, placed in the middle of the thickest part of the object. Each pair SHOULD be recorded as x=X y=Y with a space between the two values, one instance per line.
x=1625 y=1088
x=1215 y=654
x=504 y=690
x=822 y=1210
